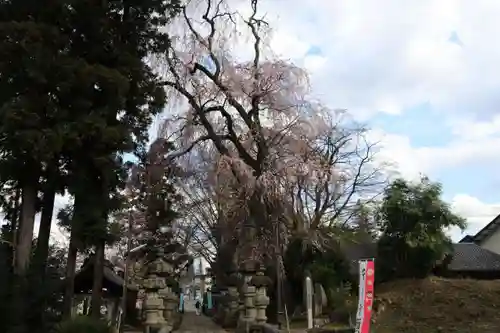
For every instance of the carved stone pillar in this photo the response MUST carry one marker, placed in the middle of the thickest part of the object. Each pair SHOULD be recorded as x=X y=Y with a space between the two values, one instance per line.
x=248 y=291
x=169 y=298
x=170 y=304
x=260 y=281
x=154 y=303
x=232 y=309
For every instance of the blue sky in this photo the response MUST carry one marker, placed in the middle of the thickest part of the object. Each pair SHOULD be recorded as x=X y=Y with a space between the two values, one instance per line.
x=423 y=74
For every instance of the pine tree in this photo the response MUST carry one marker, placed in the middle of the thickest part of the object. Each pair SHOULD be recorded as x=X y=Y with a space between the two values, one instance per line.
x=364 y=224
x=74 y=93
x=155 y=176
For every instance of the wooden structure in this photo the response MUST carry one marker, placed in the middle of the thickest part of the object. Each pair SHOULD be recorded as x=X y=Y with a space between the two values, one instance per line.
x=112 y=292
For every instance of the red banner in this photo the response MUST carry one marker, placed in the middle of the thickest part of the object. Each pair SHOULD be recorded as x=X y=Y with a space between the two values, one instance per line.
x=369 y=287
x=366 y=289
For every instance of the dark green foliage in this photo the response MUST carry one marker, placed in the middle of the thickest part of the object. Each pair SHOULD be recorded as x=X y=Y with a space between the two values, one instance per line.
x=327 y=267
x=6 y=277
x=83 y=324
x=65 y=78
x=47 y=292
x=75 y=93
x=364 y=227
x=413 y=219
x=70 y=86
x=342 y=304
x=154 y=176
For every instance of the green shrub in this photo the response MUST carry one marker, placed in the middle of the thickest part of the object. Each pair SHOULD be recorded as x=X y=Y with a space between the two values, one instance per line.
x=84 y=324
x=342 y=303
x=413 y=219
x=339 y=296
x=327 y=267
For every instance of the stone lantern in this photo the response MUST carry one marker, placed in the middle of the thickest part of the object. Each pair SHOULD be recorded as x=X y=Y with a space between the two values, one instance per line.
x=167 y=294
x=153 y=305
x=249 y=313
x=260 y=282
x=232 y=309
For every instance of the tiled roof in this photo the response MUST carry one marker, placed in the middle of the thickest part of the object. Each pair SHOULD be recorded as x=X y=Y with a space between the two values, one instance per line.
x=467 y=257
x=471 y=257
x=108 y=273
x=467 y=239
x=117 y=279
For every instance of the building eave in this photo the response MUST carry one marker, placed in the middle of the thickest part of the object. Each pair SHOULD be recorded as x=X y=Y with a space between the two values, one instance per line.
x=487 y=231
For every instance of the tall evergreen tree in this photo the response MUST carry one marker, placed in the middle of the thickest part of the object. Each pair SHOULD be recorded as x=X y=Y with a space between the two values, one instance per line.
x=33 y=66
x=121 y=116
x=74 y=92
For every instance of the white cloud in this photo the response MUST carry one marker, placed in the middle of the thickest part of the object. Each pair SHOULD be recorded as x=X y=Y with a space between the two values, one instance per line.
x=477 y=213
x=388 y=55
x=314 y=63
x=411 y=160
x=473 y=130
x=287 y=46
x=395 y=59
x=479 y=145
x=397 y=151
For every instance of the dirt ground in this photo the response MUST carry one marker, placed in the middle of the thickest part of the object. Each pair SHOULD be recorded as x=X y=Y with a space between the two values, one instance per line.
x=438 y=305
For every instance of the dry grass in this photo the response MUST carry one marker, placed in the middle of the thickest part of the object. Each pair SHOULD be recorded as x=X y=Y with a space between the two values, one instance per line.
x=438 y=305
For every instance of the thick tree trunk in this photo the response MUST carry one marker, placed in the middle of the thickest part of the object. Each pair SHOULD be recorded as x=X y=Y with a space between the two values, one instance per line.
x=23 y=248
x=70 y=275
x=42 y=247
x=96 y=301
x=20 y=299
x=14 y=220
x=40 y=260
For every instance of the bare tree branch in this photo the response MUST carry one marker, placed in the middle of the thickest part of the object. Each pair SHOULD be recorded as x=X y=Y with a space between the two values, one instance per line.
x=272 y=155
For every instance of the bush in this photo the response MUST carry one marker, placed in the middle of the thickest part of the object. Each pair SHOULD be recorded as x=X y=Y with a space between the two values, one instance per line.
x=327 y=267
x=396 y=259
x=342 y=304
x=84 y=324
x=413 y=219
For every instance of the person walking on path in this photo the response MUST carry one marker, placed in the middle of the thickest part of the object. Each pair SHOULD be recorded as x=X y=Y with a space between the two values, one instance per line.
x=181 y=303
x=198 y=306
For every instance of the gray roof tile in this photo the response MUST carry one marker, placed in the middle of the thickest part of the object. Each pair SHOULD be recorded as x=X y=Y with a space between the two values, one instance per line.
x=471 y=257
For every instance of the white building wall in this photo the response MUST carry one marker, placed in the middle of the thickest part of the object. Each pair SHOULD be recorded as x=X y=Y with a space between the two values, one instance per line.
x=200 y=266
x=492 y=243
